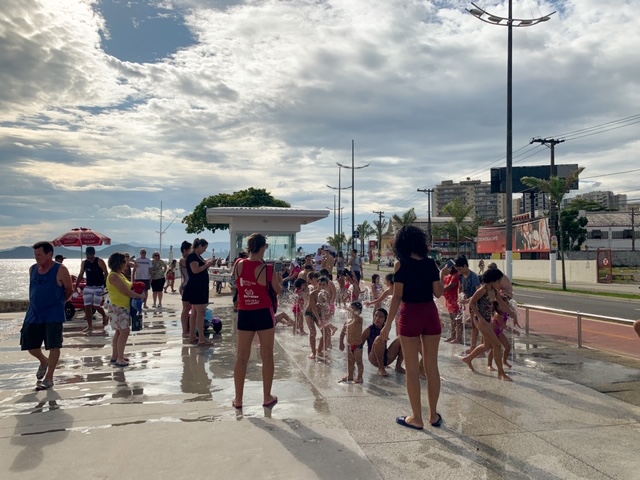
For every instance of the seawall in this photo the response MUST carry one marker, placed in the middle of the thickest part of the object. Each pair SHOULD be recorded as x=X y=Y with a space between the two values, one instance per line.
x=10 y=306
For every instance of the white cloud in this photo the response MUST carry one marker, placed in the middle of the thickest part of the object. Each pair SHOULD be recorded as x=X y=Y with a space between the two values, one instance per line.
x=272 y=93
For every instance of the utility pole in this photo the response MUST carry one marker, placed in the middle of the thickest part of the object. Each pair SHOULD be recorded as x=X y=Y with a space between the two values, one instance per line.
x=428 y=191
x=553 y=208
x=380 y=215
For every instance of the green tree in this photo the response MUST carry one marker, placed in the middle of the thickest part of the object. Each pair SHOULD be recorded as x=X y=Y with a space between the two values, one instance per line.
x=556 y=188
x=337 y=241
x=459 y=212
x=196 y=221
x=365 y=230
x=584 y=204
x=406 y=219
x=574 y=226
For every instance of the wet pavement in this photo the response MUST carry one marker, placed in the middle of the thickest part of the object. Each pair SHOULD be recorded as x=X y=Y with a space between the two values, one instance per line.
x=169 y=414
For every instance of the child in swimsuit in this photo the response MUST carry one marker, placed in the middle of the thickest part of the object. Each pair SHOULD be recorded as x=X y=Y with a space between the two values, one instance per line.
x=499 y=324
x=352 y=329
x=300 y=298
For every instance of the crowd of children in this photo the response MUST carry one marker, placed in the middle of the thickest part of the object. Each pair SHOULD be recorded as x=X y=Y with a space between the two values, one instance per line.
x=315 y=296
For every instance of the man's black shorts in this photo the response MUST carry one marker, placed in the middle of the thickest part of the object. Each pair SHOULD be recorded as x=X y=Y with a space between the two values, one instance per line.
x=33 y=334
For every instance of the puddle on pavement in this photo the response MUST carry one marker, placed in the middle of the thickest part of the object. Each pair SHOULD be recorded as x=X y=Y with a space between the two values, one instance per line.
x=159 y=371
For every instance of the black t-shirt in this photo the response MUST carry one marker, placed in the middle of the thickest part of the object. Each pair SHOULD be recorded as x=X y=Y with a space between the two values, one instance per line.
x=197 y=280
x=417 y=277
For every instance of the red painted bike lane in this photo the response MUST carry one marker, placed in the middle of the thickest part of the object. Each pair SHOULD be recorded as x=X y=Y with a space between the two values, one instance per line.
x=596 y=334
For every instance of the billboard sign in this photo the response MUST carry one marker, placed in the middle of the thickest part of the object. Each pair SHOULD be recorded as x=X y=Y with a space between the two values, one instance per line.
x=499 y=177
x=527 y=237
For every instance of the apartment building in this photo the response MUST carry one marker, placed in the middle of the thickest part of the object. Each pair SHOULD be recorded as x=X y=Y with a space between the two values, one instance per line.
x=490 y=206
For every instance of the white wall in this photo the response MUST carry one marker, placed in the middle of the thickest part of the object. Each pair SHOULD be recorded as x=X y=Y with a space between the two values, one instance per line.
x=577 y=271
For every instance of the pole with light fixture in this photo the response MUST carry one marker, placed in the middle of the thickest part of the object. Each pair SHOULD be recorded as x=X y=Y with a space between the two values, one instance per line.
x=353 y=182
x=508 y=22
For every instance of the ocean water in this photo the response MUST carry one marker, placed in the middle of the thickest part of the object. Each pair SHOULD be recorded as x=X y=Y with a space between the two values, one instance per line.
x=14 y=276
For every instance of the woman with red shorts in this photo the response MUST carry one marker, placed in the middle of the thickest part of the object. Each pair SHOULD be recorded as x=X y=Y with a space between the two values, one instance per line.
x=416 y=281
x=255 y=316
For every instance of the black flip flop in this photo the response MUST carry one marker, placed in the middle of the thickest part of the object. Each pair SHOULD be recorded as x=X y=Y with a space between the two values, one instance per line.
x=438 y=422
x=403 y=421
x=271 y=404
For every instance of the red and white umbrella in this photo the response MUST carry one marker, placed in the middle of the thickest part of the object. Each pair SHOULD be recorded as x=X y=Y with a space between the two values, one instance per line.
x=79 y=237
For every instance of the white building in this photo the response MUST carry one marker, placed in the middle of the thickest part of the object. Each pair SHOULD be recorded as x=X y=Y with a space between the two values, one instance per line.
x=614 y=230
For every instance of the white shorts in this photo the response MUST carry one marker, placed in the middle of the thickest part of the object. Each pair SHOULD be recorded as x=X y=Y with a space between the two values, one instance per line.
x=92 y=296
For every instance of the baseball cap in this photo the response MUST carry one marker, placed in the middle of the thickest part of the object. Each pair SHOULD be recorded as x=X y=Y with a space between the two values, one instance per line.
x=59 y=258
x=90 y=251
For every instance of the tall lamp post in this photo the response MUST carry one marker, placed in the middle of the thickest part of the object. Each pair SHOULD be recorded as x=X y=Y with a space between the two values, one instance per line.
x=339 y=188
x=353 y=183
x=508 y=22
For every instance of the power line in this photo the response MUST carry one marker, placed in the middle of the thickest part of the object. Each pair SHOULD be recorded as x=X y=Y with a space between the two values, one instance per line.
x=610 y=174
x=602 y=125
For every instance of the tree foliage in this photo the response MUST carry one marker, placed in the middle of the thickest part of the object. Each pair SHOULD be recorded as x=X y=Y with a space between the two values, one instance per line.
x=406 y=219
x=556 y=188
x=196 y=222
x=574 y=227
x=337 y=241
x=459 y=212
x=365 y=230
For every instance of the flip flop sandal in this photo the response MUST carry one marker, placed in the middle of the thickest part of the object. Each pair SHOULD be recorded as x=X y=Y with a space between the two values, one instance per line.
x=271 y=404
x=120 y=365
x=438 y=422
x=114 y=360
x=44 y=385
x=42 y=371
x=235 y=405
x=403 y=421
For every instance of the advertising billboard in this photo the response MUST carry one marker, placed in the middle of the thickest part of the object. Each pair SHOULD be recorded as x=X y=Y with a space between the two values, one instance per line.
x=532 y=236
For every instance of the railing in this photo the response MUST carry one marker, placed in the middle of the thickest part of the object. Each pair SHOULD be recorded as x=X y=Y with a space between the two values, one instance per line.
x=579 y=316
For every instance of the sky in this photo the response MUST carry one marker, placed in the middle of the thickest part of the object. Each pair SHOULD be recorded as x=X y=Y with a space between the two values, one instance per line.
x=111 y=110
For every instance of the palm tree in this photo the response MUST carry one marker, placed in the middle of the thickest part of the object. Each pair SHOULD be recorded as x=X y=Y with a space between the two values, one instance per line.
x=556 y=188
x=337 y=241
x=406 y=219
x=379 y=225
x=459 y=212
x=365 y=230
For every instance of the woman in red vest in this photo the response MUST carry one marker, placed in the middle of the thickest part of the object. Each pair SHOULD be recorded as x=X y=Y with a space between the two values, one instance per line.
x=255 y=315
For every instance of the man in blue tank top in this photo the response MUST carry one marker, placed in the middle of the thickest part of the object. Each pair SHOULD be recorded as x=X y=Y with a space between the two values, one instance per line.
x=49 y=288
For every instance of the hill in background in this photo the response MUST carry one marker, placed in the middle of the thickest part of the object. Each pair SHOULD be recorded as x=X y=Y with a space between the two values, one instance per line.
x=221 y=250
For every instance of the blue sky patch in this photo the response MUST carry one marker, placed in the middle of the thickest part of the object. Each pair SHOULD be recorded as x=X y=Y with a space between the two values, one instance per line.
x=142 y=33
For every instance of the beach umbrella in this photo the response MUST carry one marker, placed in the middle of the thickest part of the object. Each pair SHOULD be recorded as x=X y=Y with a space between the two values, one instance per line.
x=79 y=237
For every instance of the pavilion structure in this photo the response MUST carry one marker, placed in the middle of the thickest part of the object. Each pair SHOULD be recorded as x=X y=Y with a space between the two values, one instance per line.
x=279 y=225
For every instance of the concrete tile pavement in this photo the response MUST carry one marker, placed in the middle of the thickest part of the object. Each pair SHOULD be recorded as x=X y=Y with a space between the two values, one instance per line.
x=169 y=416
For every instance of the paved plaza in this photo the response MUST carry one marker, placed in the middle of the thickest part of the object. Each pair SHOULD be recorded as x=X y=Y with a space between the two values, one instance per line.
x=169 y=414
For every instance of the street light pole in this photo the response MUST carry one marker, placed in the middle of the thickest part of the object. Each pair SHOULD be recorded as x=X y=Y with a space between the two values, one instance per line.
x=353 y=168
x=508 y=22
x=339 y=188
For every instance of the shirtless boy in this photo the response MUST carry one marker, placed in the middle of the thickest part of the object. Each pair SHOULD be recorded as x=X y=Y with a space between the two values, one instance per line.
x=352 y=329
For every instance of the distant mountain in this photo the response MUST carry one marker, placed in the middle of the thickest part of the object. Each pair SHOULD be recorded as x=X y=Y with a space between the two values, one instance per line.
x=221 y=250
